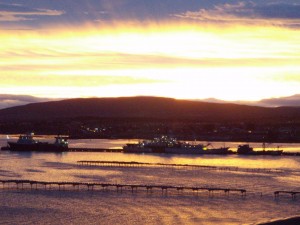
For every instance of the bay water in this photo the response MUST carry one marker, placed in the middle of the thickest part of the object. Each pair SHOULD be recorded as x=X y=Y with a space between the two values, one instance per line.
x=259 y=175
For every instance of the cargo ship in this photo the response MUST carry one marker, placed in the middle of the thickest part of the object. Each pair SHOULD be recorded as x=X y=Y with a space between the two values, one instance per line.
x=26 y=142
x=169 y=145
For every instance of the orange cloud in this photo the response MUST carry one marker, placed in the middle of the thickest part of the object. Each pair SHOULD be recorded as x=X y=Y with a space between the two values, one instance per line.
x=180 y=60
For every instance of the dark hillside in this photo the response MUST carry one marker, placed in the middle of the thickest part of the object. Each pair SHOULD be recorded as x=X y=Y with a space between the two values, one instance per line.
x=145 y=107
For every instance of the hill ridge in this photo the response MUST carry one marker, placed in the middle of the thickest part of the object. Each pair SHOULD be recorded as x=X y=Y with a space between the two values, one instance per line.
x=141 y=107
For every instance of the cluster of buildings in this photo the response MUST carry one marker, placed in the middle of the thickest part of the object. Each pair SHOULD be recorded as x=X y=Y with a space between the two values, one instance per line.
x=194 y=131
x=146 y=129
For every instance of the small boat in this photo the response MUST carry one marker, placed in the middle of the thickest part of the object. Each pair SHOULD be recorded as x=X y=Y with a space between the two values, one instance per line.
x=247 y=150
x=26 y=142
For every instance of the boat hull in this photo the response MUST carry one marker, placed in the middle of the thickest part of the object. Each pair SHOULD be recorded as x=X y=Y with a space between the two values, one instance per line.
x=174 y=150
x=136 y=149
x=38 y=147
x=274 y=153
x=185 y=151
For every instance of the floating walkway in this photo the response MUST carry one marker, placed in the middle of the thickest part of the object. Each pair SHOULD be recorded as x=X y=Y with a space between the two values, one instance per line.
x=165 y=165
x=37 y=185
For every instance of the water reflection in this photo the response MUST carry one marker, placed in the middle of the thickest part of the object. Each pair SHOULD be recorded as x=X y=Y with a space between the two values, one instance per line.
x=63 y=167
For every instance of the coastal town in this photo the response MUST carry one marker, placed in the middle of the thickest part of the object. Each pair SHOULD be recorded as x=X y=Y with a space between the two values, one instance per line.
x=149 y=128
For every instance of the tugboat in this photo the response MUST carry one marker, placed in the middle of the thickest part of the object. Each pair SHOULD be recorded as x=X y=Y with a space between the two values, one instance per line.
x=26 y=142
x=247 y=150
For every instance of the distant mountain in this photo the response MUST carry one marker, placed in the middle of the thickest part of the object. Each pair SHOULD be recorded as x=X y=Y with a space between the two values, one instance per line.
x=144 y=107
x=284 y=101
x=293 y=101
x=7 y=101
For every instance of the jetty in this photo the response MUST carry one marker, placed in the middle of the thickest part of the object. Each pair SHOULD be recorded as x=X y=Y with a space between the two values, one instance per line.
x=120 y=150
x=135 y=164
x=140 y=164
x=6 y=148
x=43 y=185
x=292 y=193
x=31 y=185
x=94 y=150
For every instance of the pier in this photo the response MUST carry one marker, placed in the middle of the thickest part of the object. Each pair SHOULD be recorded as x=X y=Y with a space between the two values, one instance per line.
x=119 y=150
x=93 y=150
x=292 y=193
x=134 y=164
x=6 y=148
x=141 y=164
x=42 y=185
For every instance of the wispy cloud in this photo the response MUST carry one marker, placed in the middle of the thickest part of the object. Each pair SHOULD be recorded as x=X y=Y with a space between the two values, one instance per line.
x=17 y=12
x=71 y=80
x=248 y=12
x=122 y=58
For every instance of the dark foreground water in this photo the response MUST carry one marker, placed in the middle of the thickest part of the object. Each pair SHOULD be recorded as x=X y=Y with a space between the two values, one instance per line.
x=112 y=207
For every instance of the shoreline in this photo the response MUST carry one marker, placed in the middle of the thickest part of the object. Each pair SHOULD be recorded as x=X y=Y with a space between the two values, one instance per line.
x=3 y=135
x=6 y=148
x=284 y=221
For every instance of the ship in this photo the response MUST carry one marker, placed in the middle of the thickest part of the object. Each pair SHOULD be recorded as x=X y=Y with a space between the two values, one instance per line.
x=247 y=150
x=168 y=145
x=26 y=142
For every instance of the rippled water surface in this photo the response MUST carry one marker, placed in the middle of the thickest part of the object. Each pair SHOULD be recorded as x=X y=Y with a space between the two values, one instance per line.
x=260 y=176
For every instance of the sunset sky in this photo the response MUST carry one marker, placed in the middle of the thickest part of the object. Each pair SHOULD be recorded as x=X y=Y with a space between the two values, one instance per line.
x=186 y=49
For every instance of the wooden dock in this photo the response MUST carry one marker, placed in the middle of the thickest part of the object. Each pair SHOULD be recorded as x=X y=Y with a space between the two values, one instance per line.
x=133 y=188
x=140 y=164
x=6 y=148
x=42 y=185
x=134 y=164
x=120 y=150
x=292 y=193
